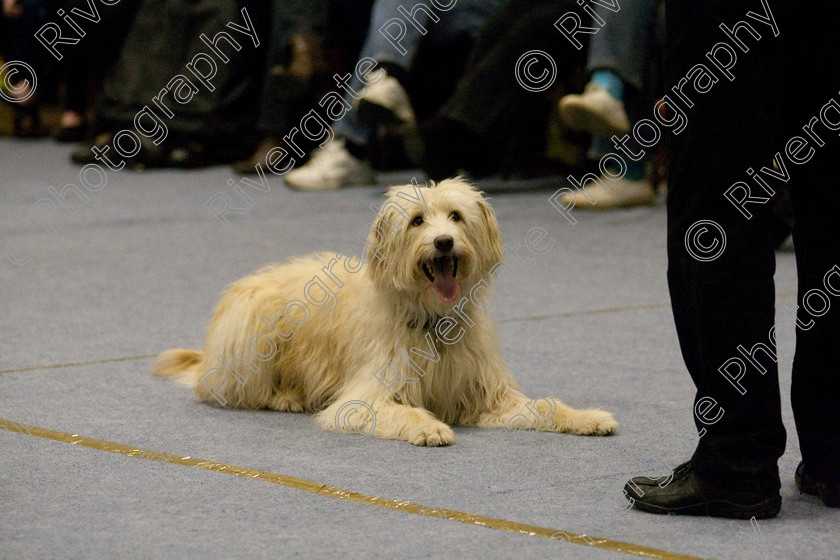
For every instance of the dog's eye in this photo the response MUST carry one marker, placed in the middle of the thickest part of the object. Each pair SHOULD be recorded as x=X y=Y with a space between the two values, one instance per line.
x=417 y=221
x=456 y=217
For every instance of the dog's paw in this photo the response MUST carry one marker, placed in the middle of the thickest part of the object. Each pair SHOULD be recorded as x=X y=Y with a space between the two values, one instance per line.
x=432 y=435
x=287 y=401
x=596 y=423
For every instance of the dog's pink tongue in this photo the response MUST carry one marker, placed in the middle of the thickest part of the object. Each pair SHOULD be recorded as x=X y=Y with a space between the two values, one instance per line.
x=445 y=285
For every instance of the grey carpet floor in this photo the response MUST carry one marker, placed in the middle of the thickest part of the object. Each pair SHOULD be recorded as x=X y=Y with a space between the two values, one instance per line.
x=136 y=268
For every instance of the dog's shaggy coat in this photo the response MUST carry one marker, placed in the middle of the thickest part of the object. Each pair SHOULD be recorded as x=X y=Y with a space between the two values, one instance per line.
x=419 y=297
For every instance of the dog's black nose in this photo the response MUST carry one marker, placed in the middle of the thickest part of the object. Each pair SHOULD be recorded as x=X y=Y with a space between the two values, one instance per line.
x=443 y=243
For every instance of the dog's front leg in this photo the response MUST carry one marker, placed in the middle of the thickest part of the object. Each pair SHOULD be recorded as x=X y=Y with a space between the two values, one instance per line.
x=516 y=412
x=386 y=419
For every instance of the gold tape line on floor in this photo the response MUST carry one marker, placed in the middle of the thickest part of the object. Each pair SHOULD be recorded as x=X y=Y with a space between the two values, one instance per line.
x=502 y=322
x=338 y=493
x=79 y=363
x=582 y=313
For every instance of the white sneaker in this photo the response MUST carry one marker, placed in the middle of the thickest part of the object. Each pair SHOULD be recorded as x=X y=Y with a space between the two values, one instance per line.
x=621 y=193
x=595 y=111
x=387 y=94
x=331 y=168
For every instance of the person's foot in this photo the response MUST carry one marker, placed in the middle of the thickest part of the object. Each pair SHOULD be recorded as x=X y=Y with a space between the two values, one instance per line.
x=71 y=128
x=249 y=166
x=71 y=134
x=686 y=494
x=806 y=484
x=386 y=100
x=71 y=119
x=386 y=109
x=307 y=57
x=27 y=122
x=621 y=194
x=330 y=168
x=187 y=155
x=150 y=156
x=83 y=155
x=594 y=111
x=24 y=102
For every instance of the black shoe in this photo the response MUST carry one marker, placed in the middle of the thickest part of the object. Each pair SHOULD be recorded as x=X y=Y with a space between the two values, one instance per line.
x=84 y=155
x=249 y=166
x=685 y=494
x=830 y=493
x=67 y=134
x=189 y=155
x=27 y=117
x=27 y=122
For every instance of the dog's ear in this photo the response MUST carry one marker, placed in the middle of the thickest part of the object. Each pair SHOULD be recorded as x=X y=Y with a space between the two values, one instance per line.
x=490 y=234
x=379 y=247
x=377 y=243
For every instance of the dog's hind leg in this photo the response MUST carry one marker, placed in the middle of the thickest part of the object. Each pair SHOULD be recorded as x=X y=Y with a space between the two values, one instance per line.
x=516 y=412
x=286 y=400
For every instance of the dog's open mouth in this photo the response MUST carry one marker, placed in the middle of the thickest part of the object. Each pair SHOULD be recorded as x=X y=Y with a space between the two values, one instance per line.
x=441 y=273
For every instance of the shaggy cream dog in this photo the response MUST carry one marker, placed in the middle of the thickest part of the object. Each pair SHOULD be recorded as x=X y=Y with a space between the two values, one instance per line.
x=402 y=342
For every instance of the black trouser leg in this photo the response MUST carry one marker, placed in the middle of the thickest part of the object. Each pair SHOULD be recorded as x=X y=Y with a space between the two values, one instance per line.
x=727 y=302
x=813 y=83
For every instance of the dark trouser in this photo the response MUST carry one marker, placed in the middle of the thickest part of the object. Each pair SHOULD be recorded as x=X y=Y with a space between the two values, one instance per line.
x=489 y=101
x=85 y=63
x=287 y=18
x=341 y=24
x=719 y=305
x=18 y=42
x=164 y=37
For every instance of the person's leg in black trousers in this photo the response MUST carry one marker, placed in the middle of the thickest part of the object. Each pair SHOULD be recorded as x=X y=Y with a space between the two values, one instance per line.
x=20 y=45
x=726 y=302
x=729 y=301
x=85 y=63
x=814 y=82
x=724 y=307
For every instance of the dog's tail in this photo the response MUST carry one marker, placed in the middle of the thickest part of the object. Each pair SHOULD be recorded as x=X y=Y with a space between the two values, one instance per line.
x=179 y=364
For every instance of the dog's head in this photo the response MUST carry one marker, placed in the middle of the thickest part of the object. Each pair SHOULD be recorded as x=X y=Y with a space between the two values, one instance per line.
x=433 y=243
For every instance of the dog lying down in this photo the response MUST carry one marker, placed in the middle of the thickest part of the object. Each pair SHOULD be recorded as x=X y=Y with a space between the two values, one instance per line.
x=405 y=341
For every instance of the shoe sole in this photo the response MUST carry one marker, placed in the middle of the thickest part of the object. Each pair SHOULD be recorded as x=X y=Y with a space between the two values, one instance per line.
x=580 y=117
x=715 y=508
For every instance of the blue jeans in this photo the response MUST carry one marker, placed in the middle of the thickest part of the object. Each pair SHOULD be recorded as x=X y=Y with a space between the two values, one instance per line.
x=624 y=45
